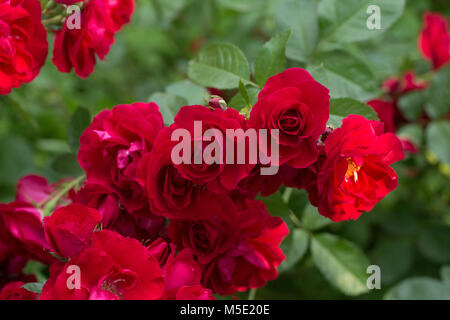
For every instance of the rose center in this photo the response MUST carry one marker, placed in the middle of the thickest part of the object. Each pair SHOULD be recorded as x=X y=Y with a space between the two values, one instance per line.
x=352 y=170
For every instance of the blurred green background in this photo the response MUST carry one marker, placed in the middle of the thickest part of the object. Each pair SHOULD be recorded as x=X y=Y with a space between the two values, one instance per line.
x=407 y=234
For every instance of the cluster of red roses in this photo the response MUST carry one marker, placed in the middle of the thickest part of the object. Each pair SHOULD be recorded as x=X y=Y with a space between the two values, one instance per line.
x=24 y=46
x=434 y=44
x=143 y=227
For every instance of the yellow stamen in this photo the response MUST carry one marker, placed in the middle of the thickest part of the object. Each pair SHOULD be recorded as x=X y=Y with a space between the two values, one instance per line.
x=352 y=170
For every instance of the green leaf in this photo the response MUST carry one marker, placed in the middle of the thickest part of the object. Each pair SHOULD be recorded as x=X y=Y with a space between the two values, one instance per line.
x=438 y=94
x=244 y=94
x=419 y=289
x=412 y=132
x=169 y=105
x=347 y=19
x=35 y=287
x=445 y=275
x=80 y=120
x=312 y=219
x=16 y=159
x=271 y=58
x=294 y=248
x=221 y=66
x=411 y=104
x=67 y=165
x=243 y=6
x=277 y=207
x=341 y=262
x=37 y=269
x=438 y=136
x=192 y=93
x=434 y=243
x=301 y=17
x=238 y=102
x=343 y=107
x=345 y=75
x=394 y=257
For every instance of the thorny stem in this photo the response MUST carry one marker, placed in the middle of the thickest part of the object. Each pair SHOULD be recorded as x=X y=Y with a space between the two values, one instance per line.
x=52 y=20
x=49 y=206
x=252 y=294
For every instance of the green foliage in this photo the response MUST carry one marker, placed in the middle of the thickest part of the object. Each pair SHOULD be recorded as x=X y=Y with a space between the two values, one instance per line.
x=341 y=108
x=272 y=58
x=438 y=94
x=421 y=288
x=221 y=66
x=300 y=16
x=347 y=19
x=345 y=75
x=438 y=136
x=80 y=120
x=341 y=262
x=294 y=248
x=35 y=287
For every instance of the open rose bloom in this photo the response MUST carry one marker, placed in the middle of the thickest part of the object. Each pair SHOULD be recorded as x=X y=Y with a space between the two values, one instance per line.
x=274 y=177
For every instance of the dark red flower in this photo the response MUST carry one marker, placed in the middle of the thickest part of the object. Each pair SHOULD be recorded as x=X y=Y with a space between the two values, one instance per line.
x=170 y=194
x=78 y=48
x=113 y=145
x=255 y=255
x=298 y=106
x=23 y=43
x=220 y=176
x=36 y=190
x=112 y=268
x=355 y=173
x=388 y=110
x=182 y=275
x=70 y=229
x=137 y=227
x=209 y=235
x=99 y=197
x=21 y=227
x=15 y=291
x=434 y=40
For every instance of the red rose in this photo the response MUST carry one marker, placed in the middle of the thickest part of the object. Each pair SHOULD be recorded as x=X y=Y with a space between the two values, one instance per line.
x=101 y=198
x=208 y=236
x=182 y=275
x=112 y=268
x=36 y=190
x=196 y=292
x=78 y=48
x=434 y=40
x=355 y=172
x=112 y=146
x=388 y=110
x=266 y=185
x=219 y=177
x=12 y=261
x=254 y=256
x=170 y=194
x=69 y=229
x=298 y=107
x=15 y=291
x=162 y=250
x=23 y=43
x=33 y=189
x=21 y=226
x=120 y=12
x=396 y=87
x=140 y=228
